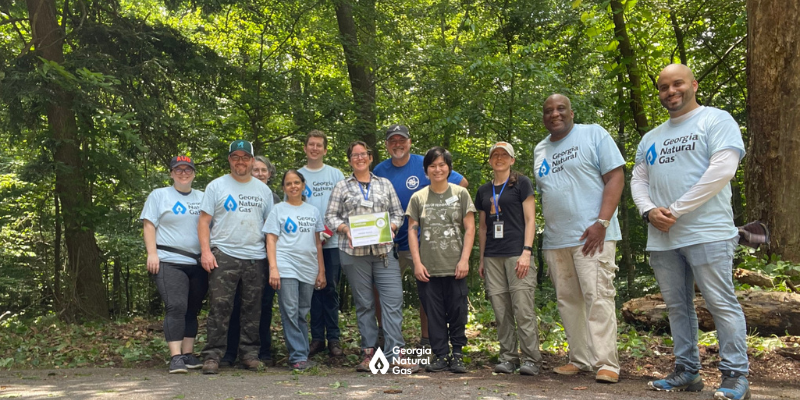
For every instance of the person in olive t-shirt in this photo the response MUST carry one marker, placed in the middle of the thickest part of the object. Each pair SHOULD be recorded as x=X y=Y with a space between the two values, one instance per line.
x=441 y=257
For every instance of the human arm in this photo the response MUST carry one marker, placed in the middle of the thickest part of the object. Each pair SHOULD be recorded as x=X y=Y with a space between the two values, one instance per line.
x=595 y=234
x=464 y=183
x=481 y=239
x=462 y=268
x=420 y=272
x=207 y=259
x=721 y=169
x=320 y=282
x=524 y=260
x=659 y=217
x=396 y=213
x=149 y=234
x=335 y=213
x=272 y=257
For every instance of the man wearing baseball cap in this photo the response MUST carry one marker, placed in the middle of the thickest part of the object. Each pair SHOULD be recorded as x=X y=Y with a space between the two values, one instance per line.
x=233 y=251
x=406 y=172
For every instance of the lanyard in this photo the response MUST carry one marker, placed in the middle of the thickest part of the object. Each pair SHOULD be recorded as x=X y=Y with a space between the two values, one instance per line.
x=369 y=186
x=497 y=198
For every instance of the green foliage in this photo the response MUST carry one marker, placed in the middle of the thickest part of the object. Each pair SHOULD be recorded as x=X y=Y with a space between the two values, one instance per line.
x=782 y=272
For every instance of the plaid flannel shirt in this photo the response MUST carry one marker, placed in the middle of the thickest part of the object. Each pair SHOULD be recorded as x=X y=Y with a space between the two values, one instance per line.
x=346 y=200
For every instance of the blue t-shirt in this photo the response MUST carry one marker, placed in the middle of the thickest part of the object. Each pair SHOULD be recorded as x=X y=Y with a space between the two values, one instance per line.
x=569 y=175
x=175 y=217
x=238 y=212
x=319 y=185
x=676 y=156
x=296 y=249
x=406 y=181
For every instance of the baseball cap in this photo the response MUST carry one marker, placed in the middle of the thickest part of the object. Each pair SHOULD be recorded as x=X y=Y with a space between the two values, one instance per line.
x=505 y=146
x=242 y=145
x=396 y=129
x=180 y=160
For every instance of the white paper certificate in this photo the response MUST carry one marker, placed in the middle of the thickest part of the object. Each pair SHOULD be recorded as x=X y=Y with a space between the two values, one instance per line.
x=369 y=229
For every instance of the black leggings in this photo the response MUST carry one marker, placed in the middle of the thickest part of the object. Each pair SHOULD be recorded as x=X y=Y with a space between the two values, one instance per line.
x=183 y=288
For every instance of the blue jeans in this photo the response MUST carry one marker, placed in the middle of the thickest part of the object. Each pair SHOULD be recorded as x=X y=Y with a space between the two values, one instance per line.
x=710 y=264
x=294 y=301
x=325 y=302
x=364 y=272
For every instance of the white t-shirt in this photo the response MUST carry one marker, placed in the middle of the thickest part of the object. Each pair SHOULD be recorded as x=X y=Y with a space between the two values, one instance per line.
x=175 y=217
x=319 y=185
x=676 y=156
x=296 y=249
x=569 y=175
x=238 y=212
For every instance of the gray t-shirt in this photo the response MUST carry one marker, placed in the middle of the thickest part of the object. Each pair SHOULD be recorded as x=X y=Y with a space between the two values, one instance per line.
x=175 y=217
x=296 y=249
x=238 y=212
x=441 y=219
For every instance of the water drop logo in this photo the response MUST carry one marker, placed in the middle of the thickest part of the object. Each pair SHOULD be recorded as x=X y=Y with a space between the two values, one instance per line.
x=544 y=169
x=307 y=192
x=651 y=154
x=290 y=226
x=230 y=204
x=179 y=208
x=379 y=362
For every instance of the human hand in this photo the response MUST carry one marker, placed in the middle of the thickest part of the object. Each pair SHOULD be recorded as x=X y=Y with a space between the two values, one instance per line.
x=523 y=264
x=274 y=278
x=595 y=236
x=208 y=261
x=152 y=264
x=320 y=283
x=662 y=219
x=421 y=273
x=480 y=268
x=462 y=269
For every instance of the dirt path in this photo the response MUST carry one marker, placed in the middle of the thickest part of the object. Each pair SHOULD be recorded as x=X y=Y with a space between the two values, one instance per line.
x=104 y=383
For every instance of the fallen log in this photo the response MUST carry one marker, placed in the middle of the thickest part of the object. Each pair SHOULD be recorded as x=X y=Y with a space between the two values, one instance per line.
x=766 y=313
x=752 y=278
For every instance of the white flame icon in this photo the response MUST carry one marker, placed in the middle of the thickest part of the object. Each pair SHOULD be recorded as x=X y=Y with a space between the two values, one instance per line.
x=379 y=362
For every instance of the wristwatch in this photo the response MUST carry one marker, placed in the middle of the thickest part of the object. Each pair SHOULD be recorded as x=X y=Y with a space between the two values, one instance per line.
x=604 y=222
x=646 y=216
x=529 y=248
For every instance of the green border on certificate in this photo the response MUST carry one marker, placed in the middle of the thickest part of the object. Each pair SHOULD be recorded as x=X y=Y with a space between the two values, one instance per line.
x=369 y=229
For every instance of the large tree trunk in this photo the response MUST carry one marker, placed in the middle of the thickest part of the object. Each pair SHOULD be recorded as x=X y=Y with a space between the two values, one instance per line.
x=629 y=59
x=773 y=82
x=85 y=295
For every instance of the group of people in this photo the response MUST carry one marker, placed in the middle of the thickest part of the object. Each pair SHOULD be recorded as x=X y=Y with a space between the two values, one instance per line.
x=247 y=246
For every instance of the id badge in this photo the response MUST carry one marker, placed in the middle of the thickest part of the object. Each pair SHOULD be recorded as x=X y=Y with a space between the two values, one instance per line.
x=498 y=229
x=366 y=203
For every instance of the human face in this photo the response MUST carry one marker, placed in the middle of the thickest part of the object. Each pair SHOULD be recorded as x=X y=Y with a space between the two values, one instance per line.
x=676 y=90
x=360 y=160
x=182 y=175
x=438 y=170
x=399 y=147
x=557 y=116
x=293 y=186
x=241 y=163
x=315 y=148
x=500 y=160
x=260 y=171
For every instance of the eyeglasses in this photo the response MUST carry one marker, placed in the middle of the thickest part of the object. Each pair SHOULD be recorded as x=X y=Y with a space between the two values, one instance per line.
x=183 y=171
x=356 y=156
x=241 y=158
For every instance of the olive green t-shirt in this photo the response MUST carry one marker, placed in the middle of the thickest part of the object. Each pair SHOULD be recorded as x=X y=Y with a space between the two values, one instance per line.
x=440 y=217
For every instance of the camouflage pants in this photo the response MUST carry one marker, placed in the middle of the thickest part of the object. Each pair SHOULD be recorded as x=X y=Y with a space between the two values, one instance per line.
x=222 y=283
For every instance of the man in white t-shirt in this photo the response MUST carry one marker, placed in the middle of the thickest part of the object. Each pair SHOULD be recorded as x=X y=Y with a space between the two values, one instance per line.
x=320 y=180
x=681 y=185
x=233 y=251
x=578 y=170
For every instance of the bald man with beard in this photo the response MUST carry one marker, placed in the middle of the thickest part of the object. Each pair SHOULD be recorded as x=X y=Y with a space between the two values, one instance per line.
x=681 y=186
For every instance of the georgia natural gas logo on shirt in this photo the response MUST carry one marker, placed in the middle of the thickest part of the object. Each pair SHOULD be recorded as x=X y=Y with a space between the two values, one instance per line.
x=380 y=363
x=290 y=226
x=245 y=203
x=670 y=149
x=180 y=209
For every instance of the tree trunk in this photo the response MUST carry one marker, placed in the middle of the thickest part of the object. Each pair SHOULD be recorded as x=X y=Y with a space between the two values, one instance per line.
x=88 y=296
x=773 y=82
x=629 y=59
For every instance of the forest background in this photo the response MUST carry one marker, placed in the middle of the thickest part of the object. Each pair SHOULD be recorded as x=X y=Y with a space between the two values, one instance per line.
x=97 y=95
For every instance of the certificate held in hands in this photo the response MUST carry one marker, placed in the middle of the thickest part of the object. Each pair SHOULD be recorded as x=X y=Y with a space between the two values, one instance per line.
x=369 y=229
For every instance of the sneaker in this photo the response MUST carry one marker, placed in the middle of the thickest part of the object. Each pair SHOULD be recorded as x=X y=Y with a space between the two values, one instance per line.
x=678 y=381
x=210 y=366
x=335 y=348
x=505 y=367
x=191 y=361
x=734 y=387
x=302 y=365
x=404 y=363
x=606 y=376
x=252 y=364
x=315 y=347
x=567 y=369
x=439 y=364
x=529 y=368
x=177 y=365
x=457 y=364
x=364 y=365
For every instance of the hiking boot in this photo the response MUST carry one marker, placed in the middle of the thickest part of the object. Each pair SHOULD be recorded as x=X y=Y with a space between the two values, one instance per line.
x=252 y=364
x=678 y=381
x=439 y=364
x=529 y=368
x=505 y=367
x=315 y=347
x=191 y=361
x=302 y=365
x=567 y=369
x=457 y=364
x=404 y=363
x=267 y=361
x=734 y=387
x=210 y=366
x=606 y=376
x=364 y=365
x=177 y=365
x=335 y=348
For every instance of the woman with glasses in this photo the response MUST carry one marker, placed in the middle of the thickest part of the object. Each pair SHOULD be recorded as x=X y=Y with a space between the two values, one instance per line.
x=366 y=266
x=170 y=217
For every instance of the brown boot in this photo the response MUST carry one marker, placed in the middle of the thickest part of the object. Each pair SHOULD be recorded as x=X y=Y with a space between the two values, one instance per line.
x=315 y=347
x=252 y=364
x=210 y=366
x=364 y=365
x=335 y=348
